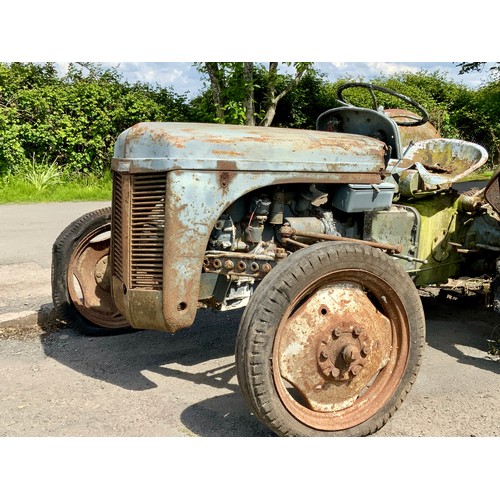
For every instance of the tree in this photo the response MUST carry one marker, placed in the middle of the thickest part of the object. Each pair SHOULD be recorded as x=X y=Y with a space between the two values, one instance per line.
x=73 y=119
x=233 y=87
x=468 y=67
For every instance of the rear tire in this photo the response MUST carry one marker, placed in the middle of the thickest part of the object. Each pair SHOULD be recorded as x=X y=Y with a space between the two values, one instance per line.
x=81 y=290
x=331 y=342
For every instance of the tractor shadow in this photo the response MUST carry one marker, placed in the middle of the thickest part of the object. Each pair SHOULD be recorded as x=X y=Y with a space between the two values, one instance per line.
x=200 y=355
x=121 y=359
x=464 y=329
x=203 y=355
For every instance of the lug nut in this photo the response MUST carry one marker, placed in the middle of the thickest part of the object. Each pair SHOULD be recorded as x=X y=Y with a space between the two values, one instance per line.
x=356 y=330
x=356 y=369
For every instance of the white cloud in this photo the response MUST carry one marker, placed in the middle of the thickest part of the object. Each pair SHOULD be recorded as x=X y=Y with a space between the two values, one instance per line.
x=386 y=68
x=183 y=77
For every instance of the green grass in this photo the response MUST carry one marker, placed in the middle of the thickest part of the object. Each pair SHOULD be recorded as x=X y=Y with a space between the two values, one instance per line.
x=479 y=176
x=21 y=190
x=26 y=189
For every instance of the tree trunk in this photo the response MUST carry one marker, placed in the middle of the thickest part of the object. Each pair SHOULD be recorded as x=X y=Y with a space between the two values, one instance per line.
x=216 y=84
x=248 y=102
x=273 y=99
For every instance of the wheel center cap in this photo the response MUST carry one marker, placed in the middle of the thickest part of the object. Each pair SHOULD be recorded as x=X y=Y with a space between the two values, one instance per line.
x=342 y=354
x=332 y=346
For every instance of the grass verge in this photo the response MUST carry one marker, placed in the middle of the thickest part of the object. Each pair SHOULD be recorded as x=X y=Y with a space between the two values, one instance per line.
x=20 y=190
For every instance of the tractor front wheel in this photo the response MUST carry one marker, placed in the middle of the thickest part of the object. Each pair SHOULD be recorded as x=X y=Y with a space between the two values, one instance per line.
x=331 y=342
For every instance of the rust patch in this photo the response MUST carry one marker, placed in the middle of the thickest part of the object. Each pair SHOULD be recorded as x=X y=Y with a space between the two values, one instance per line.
x=226 y=165
x=222 y=152
x=408 y=133
x=224 y=179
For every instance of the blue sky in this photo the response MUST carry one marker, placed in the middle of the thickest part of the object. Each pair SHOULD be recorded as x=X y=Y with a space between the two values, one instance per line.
x=183 y=77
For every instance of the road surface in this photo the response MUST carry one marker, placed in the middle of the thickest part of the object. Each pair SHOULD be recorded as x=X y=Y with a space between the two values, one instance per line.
x=58 y=383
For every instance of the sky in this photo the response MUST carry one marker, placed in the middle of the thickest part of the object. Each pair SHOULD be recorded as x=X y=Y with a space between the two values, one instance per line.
x=170 y=35
x=184 y=78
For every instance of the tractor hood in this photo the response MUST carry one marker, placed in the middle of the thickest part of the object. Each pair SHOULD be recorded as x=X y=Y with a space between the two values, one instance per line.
x=155 y=146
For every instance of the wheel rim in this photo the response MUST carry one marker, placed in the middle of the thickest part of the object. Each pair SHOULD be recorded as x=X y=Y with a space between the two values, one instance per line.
x=89 y=280
x=341 y=350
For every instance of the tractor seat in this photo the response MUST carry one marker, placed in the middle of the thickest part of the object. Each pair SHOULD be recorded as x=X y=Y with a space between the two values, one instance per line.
x=362 y=121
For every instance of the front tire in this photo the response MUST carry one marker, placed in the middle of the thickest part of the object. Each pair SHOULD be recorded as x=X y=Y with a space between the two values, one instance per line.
x=81 y=288
x=331 y=342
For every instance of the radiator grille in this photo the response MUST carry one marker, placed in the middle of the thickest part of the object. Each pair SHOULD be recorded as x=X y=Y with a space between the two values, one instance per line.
x=139 y=222
x=117 y=233
x=147 y=226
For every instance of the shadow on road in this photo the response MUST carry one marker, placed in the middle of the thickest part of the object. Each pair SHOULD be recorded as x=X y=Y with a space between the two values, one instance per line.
x=204 y=355
x=462 y=328
x=223 y=416
x=121 y=359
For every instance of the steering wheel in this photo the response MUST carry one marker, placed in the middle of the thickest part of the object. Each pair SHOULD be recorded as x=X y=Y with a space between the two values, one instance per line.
x=423 y=112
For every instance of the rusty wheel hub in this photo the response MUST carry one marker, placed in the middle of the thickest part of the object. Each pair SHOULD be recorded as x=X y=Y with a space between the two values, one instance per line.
x=89 y=284
x=342 y=355
x=330 y=349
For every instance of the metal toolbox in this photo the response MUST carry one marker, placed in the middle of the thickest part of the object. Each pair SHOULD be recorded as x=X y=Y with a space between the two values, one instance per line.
x=363 y=197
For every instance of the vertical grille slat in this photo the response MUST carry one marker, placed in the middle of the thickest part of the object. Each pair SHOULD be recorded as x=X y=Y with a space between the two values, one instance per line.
x=116 y=226
x=140 y=221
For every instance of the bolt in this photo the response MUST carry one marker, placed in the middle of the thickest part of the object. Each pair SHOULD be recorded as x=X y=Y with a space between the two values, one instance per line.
x=228 y=264
x=336 y=332
x=356 y=330
x=350 y=353
x=325 y=354
x=356 y=369
x=266 y=268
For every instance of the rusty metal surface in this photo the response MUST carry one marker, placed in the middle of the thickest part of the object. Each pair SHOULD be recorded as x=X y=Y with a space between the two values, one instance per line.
x=196 y=146
x=492 y=191
x=288 y=233
x=89 y=280
x=193 y=204
x=363 y=122
x=442 y=161
x=411 y=134
x=334 y=344
x=207 y=167
x=341 y=350
x=238 y=264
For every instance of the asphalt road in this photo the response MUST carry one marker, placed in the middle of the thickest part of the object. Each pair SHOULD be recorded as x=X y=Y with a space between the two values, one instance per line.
x=27 y=233
x=59 y=383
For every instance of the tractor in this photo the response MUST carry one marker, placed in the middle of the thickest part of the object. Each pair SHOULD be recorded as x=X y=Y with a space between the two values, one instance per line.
x=325 y=237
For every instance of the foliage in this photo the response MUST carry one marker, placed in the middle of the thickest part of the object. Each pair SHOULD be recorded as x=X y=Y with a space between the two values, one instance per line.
x=90 y=187
x=301 y=107
x=42 y=175
x=479 y=118
x=57 y=131
x=76 y=118
x=246 y=92
x=469 y=67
